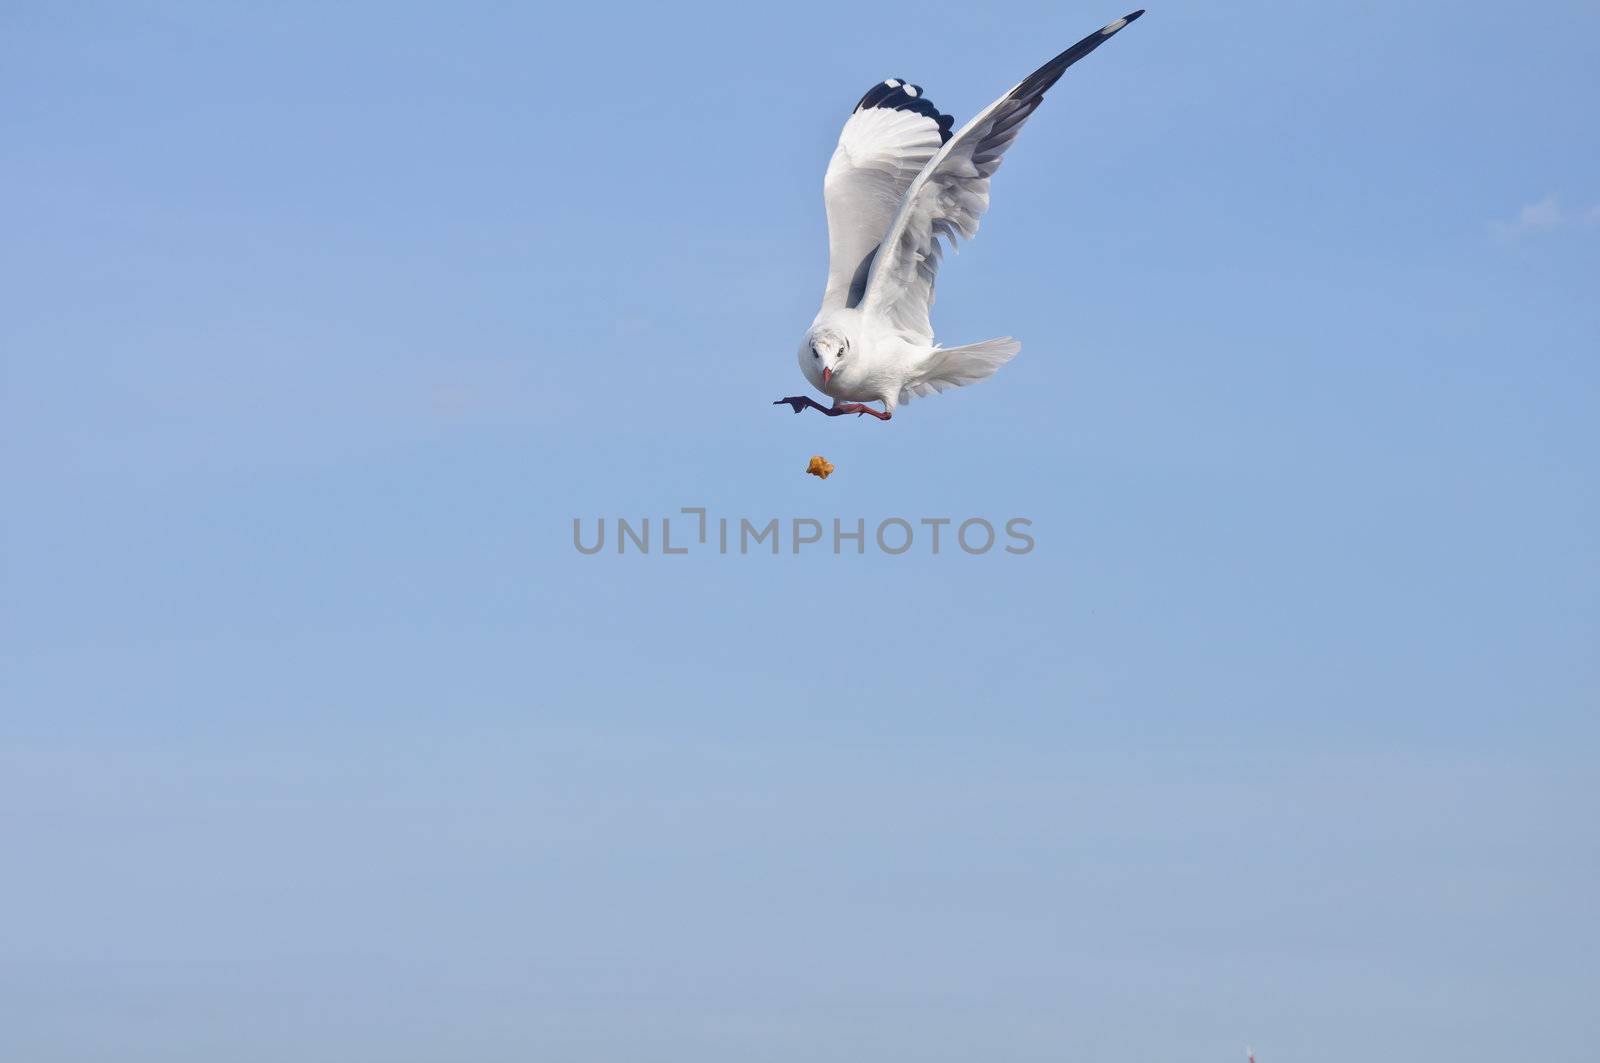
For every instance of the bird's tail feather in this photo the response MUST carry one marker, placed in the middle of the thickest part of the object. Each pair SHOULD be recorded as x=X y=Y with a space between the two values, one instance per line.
x=955 y=367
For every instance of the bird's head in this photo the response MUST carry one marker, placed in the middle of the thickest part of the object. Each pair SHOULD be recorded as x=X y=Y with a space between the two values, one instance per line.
x=827 y=348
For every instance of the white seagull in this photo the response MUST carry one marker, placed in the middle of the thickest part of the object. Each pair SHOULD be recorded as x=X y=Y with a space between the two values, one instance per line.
x=898 y=183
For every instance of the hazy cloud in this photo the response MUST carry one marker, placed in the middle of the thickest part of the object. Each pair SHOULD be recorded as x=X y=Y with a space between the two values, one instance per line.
x=1545 y=214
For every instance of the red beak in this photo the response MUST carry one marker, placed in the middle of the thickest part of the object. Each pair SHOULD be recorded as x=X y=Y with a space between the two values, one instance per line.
x=827 y=375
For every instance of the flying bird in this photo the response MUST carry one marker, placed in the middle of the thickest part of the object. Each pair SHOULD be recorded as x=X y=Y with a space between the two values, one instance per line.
x=898 y=183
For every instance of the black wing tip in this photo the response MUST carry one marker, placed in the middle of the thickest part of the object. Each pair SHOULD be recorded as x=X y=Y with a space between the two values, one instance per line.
x=1038 y=82
x=898 y=94
x=1118 y=24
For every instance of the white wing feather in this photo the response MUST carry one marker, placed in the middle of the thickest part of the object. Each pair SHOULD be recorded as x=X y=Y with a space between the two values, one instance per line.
x=881 y=150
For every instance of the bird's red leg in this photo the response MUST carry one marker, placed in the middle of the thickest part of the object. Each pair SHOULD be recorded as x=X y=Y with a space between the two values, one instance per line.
x=859 y=408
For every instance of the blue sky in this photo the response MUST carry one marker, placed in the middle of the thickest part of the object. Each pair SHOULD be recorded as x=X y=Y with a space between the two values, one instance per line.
x=321 y=742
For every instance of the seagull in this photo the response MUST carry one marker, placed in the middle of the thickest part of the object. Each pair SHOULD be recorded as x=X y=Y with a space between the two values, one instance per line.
x=897 y=184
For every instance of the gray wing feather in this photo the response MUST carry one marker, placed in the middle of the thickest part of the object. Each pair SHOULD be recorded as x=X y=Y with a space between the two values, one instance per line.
x=949 y=196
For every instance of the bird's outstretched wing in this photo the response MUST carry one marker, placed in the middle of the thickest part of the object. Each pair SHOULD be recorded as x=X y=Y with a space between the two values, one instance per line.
x=885 y=143
x=951 y=193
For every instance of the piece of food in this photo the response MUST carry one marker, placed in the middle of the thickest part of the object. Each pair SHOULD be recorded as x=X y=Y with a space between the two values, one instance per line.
x=820 y=466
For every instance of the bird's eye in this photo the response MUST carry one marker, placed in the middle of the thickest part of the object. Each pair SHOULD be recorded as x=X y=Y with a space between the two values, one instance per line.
x=815 y=353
